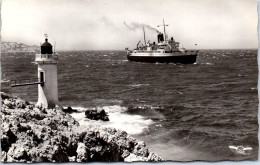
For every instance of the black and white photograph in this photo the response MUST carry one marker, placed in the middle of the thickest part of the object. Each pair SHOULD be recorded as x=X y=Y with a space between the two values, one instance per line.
x=129 y=81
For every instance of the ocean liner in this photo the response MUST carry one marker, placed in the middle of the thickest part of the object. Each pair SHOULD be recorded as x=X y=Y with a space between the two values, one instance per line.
x=165 y=51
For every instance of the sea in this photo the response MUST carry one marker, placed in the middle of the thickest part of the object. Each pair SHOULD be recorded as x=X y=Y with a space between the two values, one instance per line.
x=182 y=112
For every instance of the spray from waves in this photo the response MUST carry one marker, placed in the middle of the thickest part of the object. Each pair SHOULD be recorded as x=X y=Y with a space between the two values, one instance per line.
x=134 y=26
x=152 y=112
x=132 y=124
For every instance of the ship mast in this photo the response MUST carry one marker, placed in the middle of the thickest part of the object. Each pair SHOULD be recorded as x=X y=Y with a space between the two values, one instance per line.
x=144 y=36
x=164 y=29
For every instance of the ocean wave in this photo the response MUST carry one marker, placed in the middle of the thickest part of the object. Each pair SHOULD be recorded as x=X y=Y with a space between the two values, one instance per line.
x=152 y=112
x=208 y=63
x=138 y=85
x=132 y=124
x=104 y=102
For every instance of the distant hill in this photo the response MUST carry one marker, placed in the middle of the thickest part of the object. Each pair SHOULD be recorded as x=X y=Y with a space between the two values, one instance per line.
x=18 y=47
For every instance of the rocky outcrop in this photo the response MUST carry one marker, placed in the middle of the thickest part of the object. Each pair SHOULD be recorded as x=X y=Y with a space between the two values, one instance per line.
x=96 y=114
x=69 y=110
x=32 y=134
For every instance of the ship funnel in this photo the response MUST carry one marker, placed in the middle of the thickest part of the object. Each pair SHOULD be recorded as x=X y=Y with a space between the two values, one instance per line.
x=160 y=37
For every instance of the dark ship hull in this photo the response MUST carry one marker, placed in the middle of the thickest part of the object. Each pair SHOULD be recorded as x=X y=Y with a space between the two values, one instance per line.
x=182 y=59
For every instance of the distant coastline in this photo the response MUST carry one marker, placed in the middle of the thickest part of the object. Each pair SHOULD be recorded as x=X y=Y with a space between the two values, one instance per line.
x=12 y=47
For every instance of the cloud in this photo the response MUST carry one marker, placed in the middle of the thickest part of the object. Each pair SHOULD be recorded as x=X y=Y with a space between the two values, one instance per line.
x=108 y=22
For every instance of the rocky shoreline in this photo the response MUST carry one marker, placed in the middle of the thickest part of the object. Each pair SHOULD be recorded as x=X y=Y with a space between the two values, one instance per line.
x=32 y=134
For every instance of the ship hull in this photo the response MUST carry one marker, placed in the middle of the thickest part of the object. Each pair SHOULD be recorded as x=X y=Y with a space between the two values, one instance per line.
x=183 y=59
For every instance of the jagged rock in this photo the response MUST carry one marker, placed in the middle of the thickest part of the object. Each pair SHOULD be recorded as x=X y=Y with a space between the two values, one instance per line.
x=135 y=158
x=140 y=149
x=8 y=104
x=4 y=156
x=69 y=110
x=18 y=153
x=8 y=137
x=72 y=159
x=59 y=154
x=82 y=153
x=153 y=157
x=20 y=103
x=5 y=96
x=96 y=114
x=125 y=154
x=100 y=150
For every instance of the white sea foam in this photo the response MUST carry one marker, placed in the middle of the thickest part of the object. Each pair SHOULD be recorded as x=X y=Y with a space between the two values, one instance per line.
x=138 y=85
x=132 y=124
x=81 y=109
x=207 y=63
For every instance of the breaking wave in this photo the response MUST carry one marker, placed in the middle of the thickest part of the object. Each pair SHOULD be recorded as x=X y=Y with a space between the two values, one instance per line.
x=132 y=124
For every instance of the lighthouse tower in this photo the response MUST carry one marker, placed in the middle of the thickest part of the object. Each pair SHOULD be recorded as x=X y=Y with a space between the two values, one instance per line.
x=47 y=75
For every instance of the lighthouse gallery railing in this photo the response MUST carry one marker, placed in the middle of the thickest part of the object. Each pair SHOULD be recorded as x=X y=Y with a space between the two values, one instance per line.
x=46 y=56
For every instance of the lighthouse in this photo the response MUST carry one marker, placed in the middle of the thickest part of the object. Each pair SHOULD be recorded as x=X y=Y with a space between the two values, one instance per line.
x=47 y=76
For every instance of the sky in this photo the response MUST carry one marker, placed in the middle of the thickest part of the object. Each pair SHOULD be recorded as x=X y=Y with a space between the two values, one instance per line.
x=117 y=24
